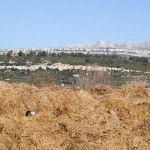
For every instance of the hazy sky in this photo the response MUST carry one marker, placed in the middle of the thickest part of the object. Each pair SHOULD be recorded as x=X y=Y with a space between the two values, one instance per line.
x=57 y=23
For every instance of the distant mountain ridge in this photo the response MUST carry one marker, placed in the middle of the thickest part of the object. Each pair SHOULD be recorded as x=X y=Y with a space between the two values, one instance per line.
x=122 y=45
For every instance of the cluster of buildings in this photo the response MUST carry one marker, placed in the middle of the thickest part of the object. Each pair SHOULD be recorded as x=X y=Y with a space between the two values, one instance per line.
x=100 y=50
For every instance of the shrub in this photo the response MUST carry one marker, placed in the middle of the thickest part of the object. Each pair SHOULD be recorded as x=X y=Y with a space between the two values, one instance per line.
x=93 y=78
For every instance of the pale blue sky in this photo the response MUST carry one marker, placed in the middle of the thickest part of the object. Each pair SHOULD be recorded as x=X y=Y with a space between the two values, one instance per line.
x=57 y=23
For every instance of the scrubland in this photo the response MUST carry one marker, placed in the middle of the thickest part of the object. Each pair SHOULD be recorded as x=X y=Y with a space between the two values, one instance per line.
x=98 y=118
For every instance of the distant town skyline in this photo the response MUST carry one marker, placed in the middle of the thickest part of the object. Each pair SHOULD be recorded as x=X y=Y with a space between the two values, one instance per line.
x=55 y=23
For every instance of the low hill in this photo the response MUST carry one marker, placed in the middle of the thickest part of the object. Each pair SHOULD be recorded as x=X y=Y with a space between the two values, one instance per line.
x=98 y=118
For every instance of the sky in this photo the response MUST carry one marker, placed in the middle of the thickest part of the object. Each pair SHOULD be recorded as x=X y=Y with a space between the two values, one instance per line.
x=58 y=23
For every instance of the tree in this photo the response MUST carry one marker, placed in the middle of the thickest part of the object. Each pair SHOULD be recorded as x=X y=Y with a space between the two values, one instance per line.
x=9 y=54
x=43 y=53
x=92 y=78
x=87 y=60
x=20 y=53
x=32 y=53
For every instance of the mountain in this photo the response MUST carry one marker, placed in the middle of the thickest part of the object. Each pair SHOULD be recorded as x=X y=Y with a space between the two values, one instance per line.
x=122 y=45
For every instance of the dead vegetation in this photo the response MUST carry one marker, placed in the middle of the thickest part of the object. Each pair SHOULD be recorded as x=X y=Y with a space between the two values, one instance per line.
x=74 y=119
x=93 y=78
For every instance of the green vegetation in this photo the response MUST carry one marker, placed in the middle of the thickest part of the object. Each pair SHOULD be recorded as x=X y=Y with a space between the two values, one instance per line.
x=38 y=77
x=55 y=76
x=133 y=63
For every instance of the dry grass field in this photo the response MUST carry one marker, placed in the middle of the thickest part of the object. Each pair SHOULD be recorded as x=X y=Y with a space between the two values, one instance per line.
x=99 y=118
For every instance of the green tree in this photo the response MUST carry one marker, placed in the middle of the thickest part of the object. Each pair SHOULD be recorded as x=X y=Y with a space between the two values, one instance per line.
x=20 y=53
x=32 y=53
x=43 y=53
x=9 y=54
x=87 y=60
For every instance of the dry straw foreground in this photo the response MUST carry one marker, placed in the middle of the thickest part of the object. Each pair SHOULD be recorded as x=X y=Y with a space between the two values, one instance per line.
x=73 y=119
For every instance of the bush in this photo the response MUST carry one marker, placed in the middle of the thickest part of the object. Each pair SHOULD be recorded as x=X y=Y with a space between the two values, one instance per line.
x=92 y=78
x=40 y=77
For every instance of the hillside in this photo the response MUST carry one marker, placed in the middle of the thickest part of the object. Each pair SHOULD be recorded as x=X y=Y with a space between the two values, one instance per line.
x=62 y=68
x=74 y=119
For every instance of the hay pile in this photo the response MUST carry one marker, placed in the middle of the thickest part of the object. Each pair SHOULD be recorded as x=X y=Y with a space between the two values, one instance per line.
x=73 y=119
